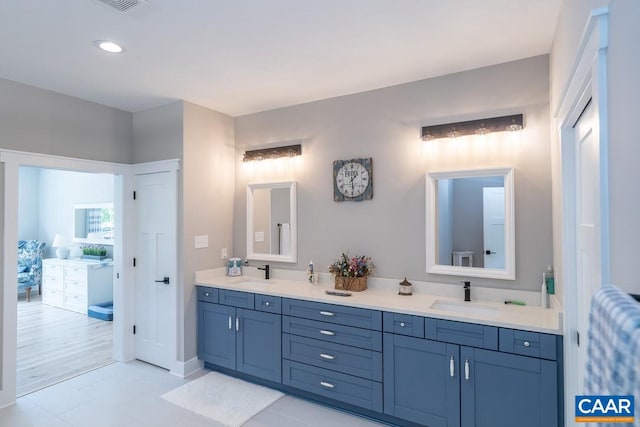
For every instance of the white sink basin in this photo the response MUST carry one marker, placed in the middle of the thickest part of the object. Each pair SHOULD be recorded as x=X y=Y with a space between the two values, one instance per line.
x=463 y=307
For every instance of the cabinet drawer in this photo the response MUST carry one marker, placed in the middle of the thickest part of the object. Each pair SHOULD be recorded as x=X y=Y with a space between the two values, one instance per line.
x=528 y=343
x=52 y=270
x=75 y=303
x=207 y=294
x=403 y=324
x=462 y=333
x=337 y=357
x=49 y=282
x=75 y=287
x=348 y=316
x=75 y=273
x=268 y=303
x=52 y=297
x=334 y=385
x=363 y=338
x=235 y=298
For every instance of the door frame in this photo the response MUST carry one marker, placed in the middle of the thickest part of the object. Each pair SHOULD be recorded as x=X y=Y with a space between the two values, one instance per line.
x=587 y=80
x=176 y=307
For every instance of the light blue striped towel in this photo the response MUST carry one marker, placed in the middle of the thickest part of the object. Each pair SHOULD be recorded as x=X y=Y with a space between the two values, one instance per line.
x=613 y=352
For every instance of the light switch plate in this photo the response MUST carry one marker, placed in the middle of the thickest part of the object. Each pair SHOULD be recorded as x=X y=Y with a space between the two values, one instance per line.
x=202 y=242
x=223 y=253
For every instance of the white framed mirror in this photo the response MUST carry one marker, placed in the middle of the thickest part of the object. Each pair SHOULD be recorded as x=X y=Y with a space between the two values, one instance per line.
x=93 y=223
x=470 y=223
x=272 y=222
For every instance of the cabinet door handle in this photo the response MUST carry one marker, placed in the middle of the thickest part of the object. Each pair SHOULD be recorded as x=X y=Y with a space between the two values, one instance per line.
x=324 y=332
x=466 y=370
x=402 y=324
x=526 y=344
x=206 y=294
x=327 y=313
x=327 y=356
x=237 y=324
x=452 y=367
x=327 y=385
x=267 y=303
x=230 y=323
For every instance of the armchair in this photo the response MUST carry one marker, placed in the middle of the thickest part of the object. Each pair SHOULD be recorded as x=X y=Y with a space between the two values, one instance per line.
x=30 y=254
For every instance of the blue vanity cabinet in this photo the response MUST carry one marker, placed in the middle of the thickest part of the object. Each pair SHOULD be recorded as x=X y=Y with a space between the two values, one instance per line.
x=242 y=339
x=503 y=390
x=421 y=380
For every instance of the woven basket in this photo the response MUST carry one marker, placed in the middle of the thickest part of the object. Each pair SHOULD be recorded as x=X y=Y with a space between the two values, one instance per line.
x=355 y=284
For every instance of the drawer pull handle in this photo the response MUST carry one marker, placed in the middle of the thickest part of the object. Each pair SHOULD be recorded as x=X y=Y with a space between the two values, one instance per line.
x=237 y=324
x=206 y=294
x=327 y=385
x=230 y=323
x=402 y=324
x=330 y=333
x=327 y=313
x=267 y=303
x=526 y=344
x=452 y=367
x=466 y=370
x=327 y=356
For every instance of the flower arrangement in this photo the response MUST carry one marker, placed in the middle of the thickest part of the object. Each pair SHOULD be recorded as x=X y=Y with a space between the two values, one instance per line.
x=94 y=250
x=357 y=266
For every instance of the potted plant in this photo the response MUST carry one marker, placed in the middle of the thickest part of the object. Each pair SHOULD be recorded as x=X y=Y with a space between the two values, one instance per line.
x=350 y=273
x=96 y=252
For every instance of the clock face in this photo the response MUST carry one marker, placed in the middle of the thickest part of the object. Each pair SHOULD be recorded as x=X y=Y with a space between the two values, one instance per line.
x=352 y=179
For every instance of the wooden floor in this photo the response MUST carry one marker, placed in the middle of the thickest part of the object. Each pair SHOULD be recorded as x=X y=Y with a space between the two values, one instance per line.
x=56 y=344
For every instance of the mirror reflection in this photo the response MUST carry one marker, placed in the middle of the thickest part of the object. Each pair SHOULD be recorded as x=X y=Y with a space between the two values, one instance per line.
x=271 y=222
x=93 y=223
x=470 y=223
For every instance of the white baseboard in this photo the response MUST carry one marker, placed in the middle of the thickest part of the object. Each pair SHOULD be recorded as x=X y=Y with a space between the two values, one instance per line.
x=184 y=369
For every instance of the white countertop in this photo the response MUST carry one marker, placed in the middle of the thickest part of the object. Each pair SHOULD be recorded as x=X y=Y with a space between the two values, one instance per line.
x=494 y=313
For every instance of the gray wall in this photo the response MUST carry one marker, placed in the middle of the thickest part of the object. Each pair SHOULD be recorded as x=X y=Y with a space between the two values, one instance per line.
x=41 y=121
x=29 y=203
x=207 y=201
x=624 y=110
x=385 y=125
x=158 y=133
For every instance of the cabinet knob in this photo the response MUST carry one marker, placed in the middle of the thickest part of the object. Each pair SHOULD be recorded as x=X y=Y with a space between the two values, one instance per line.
x=267 y=303
x=206 y=294
x=402 y=324
x=526 y=344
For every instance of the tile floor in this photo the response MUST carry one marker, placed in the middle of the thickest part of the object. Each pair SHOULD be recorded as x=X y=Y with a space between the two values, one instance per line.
x=128 y=395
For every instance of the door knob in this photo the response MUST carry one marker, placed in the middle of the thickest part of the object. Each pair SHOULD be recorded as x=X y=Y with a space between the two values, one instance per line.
x=165 y=280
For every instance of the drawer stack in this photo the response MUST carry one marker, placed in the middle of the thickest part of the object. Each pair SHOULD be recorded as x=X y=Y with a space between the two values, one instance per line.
x=53 y=284
x=333 y=351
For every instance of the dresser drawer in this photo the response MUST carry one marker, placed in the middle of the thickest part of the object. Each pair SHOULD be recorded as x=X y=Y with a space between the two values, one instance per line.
x=356 y=337
x=337 y=357
x=49 y=282
x=52 y=270
x=75 y=303
x=75 y=273
x=469 y=334
x=53 y=297
x=334 y=385
x=342 y=315
x=75 y=287
x=268 y=303
x=207 y=294
x=528 y=343
x=236 y=298
x=403 y=324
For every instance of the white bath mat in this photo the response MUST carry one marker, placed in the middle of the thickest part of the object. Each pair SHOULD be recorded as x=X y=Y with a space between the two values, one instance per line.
x=224 y=399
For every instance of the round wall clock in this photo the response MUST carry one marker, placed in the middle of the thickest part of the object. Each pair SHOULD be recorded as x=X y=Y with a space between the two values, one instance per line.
x=352 y=180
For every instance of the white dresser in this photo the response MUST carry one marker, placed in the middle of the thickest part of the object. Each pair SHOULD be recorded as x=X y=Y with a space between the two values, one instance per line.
x=75 y=284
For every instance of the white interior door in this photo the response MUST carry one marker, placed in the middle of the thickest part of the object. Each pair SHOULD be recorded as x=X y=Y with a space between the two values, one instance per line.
x=493 y=230
x=156 y=254
x=588 y=260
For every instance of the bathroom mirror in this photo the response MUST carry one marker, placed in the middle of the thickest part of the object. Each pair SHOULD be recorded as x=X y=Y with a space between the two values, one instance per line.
x=271 y=222
x=93 y=223
x=470 y=223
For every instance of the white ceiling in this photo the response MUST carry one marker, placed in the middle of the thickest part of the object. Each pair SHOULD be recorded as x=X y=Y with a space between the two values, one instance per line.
x=245 y=56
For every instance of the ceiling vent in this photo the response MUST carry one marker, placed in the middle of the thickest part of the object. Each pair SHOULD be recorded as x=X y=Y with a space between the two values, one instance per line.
x=123 y=5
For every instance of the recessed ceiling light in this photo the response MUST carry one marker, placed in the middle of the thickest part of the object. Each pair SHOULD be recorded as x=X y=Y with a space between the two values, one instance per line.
x=108 y=46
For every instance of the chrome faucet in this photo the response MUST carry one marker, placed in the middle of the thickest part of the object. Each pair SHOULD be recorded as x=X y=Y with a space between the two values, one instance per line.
x=467 y=290
x=266 y=271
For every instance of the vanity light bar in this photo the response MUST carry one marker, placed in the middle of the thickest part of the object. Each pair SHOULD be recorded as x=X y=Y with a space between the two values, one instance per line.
x=273 y=153
x=474 y=127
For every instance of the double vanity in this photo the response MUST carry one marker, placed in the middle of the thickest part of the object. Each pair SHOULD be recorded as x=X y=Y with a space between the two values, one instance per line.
x=407 y=360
